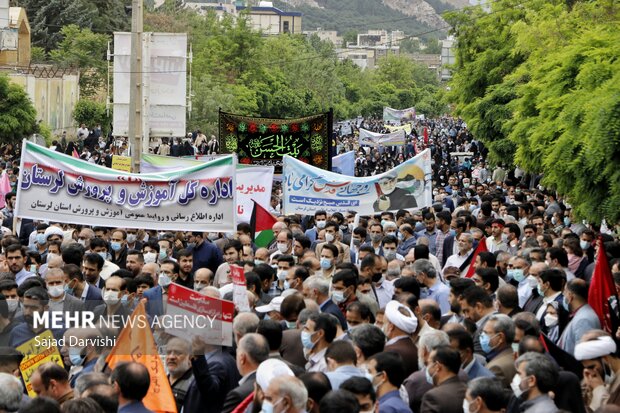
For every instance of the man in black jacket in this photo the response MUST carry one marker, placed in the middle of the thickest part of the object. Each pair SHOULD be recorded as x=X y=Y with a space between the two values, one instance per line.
x=215 y=374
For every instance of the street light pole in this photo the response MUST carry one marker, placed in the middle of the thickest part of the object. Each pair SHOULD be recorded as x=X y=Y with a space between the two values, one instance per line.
x=136 y=85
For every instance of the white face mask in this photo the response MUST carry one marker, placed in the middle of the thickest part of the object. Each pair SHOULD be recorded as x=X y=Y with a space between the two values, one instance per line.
x=131 y=238
x=515 y=385
x=329 y=237
x=282 y=247
x=12 y=304
x=111 y=297
x=56 y=291
x=551 y=320
x=150 y=257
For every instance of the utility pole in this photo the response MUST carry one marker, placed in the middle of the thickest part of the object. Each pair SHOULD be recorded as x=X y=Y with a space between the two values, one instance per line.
x=136 y=87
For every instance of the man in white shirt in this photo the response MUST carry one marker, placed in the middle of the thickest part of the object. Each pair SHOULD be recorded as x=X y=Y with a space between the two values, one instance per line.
x=465 y=245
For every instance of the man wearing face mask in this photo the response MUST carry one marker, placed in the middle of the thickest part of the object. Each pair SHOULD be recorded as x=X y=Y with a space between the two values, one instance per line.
x=118 y=244
x=388 y=374
x=100 y=247
x=371 y=268
x=158 y=296
x=344 y=286
x=536 y=376
x=6 y=323
x=81 y=359
x=496 y=341
x=331 y=235
x=57 y=287
x=35 y=301
x=448 y=390
x=284 y=244
x=132 y=240
x=517 y=271
x=388 y=243
x=329 y=257
x=316 y=335
x=376 y=236
x=426 y=275
x=583 y=318
x=407 y=239
x=317 y=288
x=115 y=289
x=597 y=353
x=8 y=288
x=320 y=219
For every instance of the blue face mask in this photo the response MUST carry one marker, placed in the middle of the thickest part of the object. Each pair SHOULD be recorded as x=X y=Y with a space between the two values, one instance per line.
x=291 y=325
x=116 y=246
x=164 y=280
x=75 y=356
x=306 y=340
x=516 y=274
x=326 y=263
x=485 y=343
x=69 y=290
x=429 y=378
x=41 y=239
x=565 y=304
x=540 y=290
x=124 y=299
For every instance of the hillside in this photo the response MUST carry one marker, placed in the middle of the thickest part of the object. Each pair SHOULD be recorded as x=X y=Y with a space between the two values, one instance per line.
x=410 y=16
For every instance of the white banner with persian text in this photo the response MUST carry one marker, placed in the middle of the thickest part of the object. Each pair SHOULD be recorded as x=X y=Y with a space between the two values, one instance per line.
x=308 y=189
x=57 y=187
x=253 y=182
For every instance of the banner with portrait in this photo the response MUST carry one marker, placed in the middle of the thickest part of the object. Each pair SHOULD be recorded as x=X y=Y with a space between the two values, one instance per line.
x=398 y=115
x=307 y=189
x=264 y=141
x=368 y=138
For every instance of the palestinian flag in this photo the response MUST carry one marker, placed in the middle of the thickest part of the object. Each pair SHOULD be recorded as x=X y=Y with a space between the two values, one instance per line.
x=471 y=260
x=261 y=225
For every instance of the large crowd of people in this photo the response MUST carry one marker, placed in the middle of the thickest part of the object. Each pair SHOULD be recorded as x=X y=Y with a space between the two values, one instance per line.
x=401 y=312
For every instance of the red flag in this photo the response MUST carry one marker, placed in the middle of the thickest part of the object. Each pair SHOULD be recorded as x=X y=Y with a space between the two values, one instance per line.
x=602 y=288
x=482 y=247
x=261 y=224
x=76 y=154
x=425 y=135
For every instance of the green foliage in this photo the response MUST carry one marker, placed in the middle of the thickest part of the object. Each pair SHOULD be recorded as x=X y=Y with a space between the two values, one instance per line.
x=91 y=113
x=548 y=93
x=38 y=55
x=18 y=118
x=48 y=17
x=85 y=50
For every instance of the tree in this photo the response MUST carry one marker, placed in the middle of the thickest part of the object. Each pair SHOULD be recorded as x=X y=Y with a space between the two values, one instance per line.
x=18 y=117
x=48 y=17
x=86 y=51
x=540 y=81
x=91 y=113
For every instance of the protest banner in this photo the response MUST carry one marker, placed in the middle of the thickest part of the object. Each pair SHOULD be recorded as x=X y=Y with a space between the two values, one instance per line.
x=137 y=344
x=308 y=189
x=57 y=187
x=121 y=163
x=37 y=351
x=240 y=289
x=407 y=128
x=253 y=182
x=344 y=164
x=395 y=138
x=396 y=115
x=213 y=317
x=261 y=141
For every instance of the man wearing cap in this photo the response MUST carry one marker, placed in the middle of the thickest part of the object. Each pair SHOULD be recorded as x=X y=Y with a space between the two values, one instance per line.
x=495 y=241
x=398 y=325
x=272 y=309
x=597 y=353
x=267 y=372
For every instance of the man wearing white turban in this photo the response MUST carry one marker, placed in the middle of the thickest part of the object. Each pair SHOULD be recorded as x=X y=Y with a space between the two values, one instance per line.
x=601 y=374
x=398 y=325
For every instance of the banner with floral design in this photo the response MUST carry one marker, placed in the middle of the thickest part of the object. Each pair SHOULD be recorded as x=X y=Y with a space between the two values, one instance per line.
x=264 y=141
